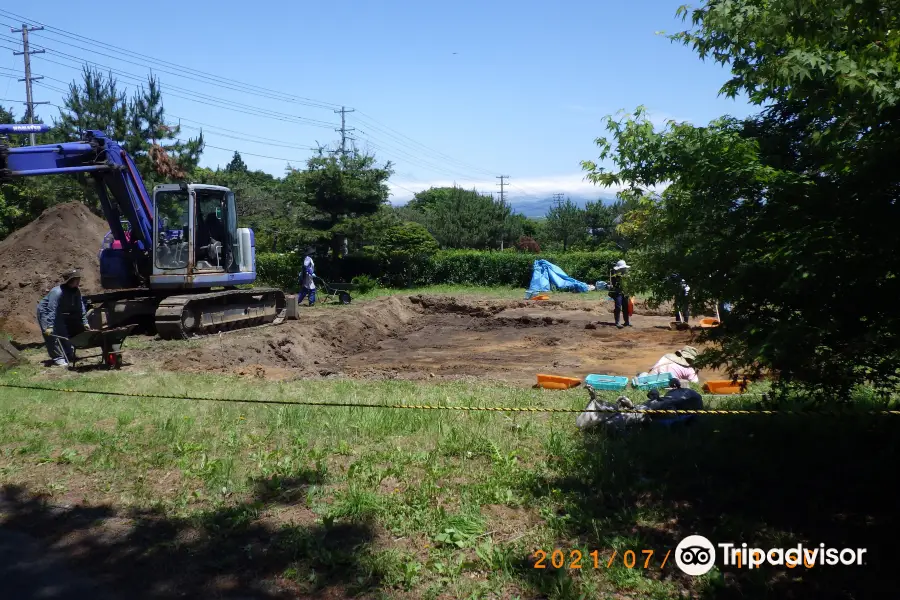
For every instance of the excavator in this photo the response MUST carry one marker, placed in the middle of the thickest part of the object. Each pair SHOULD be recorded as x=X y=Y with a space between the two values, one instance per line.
x=173 y=263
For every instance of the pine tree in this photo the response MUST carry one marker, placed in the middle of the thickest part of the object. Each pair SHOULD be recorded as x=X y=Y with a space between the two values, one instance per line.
x=237 y=164
x=96 y=103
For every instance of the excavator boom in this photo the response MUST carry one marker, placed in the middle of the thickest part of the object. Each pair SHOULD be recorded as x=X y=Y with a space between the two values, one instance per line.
x=164 y=257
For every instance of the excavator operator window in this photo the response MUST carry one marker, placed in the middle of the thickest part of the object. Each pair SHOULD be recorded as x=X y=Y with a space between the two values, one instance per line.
x=173 y=229
x=211 y=235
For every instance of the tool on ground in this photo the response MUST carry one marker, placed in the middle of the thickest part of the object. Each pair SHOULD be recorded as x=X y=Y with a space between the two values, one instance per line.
x=109 y=341
x=167 y=253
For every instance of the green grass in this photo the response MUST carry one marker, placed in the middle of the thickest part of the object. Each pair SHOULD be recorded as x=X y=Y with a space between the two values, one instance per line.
x=427 y=504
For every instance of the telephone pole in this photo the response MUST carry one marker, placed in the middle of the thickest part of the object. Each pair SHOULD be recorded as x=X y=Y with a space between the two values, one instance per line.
x=343 y=130
x=29 y=102
x=502 y=185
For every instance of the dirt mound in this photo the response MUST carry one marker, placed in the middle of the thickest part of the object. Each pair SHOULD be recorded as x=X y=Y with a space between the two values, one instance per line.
x=32 y=258
x=314 y=345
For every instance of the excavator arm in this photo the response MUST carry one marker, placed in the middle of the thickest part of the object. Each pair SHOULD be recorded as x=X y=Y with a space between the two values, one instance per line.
x=117 y=181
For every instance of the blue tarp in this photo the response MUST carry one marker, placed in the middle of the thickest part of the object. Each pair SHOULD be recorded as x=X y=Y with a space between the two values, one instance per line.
x=545 y=275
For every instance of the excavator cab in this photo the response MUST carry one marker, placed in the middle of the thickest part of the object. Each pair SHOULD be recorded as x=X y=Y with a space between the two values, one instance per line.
x=198 y=243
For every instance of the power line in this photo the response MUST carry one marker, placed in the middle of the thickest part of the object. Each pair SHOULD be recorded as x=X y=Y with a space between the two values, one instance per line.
x=196 y=73
x=206 y=78
x=201 y=98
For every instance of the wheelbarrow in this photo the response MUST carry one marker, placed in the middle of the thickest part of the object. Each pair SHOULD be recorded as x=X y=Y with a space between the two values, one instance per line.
x=332 y=291
x=109 y=341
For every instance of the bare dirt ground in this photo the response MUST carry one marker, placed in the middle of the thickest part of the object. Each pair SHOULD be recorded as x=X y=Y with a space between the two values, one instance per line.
x=420 y=337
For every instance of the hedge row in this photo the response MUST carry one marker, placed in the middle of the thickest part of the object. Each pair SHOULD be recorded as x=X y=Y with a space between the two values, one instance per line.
x=462 y=267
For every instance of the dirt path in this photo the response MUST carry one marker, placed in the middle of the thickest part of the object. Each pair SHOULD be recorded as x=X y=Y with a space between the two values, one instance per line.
x=427 y=337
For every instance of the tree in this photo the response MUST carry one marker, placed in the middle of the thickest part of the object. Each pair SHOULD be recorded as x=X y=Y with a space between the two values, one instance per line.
x=459 y=218
x=237 y=164
x=789 y=213
x=95 y=103
x=340 y=188
x=566 y=223
x=403 y=249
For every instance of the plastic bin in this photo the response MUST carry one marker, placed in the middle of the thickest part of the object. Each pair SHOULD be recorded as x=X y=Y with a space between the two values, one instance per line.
x=556 y=382
x=724 y=386
x=649 y=382
x=611 y=383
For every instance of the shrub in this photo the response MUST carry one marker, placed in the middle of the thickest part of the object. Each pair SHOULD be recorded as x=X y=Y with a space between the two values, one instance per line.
x=460 y=267
x=364 y=284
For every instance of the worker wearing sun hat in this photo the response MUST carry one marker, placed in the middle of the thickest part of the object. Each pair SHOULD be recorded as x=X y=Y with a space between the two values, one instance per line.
x=679 y=364
x=617 y=293
x=61 y=314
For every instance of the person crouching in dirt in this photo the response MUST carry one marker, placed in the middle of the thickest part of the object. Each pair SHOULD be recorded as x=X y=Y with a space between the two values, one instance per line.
x=61 y=314
x=307 y=284
x=617 y=293
x=679 y=364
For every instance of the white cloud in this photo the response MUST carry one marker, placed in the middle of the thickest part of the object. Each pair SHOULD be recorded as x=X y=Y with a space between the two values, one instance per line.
x=526 y=188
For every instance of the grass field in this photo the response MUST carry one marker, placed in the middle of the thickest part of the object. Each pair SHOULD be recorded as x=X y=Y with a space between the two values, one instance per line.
x=194 y=496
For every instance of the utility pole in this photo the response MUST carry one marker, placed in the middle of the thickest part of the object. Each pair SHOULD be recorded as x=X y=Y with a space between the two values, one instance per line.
x=502 y=185
x=343 y=130
x=29 y=102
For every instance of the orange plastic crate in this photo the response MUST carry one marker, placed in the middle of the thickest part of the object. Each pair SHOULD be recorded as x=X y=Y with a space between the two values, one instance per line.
x=724 y=386
x=557 y=382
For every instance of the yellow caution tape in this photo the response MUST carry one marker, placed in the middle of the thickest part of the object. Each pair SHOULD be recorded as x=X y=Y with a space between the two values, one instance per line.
x=459 y=408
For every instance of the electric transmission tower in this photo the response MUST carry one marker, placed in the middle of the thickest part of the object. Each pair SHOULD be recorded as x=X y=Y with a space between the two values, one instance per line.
x=502 y=185
x=344 y=130
x=27 y=52
x=557 y=199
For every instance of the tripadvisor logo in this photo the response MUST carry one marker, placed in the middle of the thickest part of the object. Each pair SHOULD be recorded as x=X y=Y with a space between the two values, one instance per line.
x=696 y=555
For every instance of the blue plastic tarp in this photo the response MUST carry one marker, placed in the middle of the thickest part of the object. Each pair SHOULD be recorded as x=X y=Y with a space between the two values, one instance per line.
x=546 y=275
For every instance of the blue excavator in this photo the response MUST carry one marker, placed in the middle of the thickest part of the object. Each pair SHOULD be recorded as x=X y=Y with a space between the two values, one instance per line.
x=172 y=263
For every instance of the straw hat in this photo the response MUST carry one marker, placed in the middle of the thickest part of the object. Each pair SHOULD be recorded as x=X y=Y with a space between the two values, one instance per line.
x=621 y=265
x=684 y=357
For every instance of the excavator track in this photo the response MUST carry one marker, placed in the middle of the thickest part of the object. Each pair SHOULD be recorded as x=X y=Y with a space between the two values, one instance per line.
x=193 y=315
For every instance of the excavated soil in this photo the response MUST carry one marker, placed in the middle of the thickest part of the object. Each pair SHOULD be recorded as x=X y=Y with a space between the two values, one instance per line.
x=32 y=258
x=429 y=338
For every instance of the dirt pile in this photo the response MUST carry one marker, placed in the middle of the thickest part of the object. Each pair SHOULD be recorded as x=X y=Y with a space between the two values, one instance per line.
x=32 y=258
x=312 y=346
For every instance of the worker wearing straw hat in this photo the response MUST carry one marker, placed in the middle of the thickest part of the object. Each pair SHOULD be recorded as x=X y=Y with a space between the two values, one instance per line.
x=617 y=293
x=679 y=364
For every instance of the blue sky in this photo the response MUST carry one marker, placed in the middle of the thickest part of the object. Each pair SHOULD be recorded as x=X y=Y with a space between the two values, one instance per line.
x=524 y=94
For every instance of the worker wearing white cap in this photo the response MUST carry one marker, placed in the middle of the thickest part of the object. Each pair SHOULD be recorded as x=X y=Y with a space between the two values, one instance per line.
x=617 y=293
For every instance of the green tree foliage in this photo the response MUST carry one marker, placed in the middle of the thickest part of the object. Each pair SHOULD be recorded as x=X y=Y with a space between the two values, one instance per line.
x=340 y=188
x=605 y=222
x=791 y=213
x=237 y=164
x=460 y=218
x=566 y=224
x=403 y=250
x=95 y=103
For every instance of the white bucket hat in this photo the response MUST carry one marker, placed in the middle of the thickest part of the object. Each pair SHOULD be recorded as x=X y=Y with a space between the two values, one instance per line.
x=621 y=265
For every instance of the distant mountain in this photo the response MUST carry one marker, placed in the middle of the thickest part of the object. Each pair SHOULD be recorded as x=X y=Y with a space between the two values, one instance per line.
x=534 y=207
